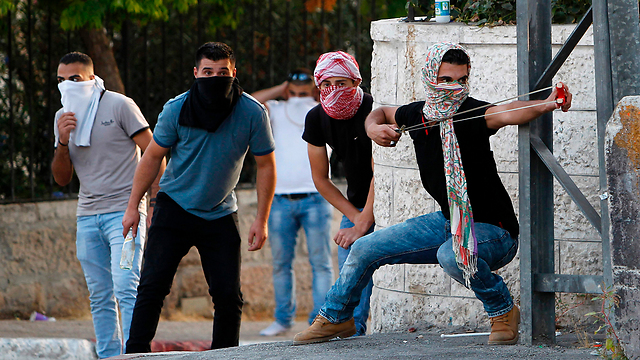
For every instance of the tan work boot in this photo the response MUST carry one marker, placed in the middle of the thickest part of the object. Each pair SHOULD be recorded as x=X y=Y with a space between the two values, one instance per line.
x=323 y=330
x=504 y=328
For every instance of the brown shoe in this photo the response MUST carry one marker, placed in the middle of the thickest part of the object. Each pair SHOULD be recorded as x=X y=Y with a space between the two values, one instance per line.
x=504 y=328
x=323 y=330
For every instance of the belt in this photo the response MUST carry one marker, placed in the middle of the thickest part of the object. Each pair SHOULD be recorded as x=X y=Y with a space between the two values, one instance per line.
x=295 y=196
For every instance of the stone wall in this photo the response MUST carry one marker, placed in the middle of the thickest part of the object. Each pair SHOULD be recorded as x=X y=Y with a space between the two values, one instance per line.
x=422 y=295
x=623 y=174
x=39 y=270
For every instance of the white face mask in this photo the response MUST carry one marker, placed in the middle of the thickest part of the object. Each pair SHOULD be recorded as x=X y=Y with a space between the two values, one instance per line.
x=82 y=98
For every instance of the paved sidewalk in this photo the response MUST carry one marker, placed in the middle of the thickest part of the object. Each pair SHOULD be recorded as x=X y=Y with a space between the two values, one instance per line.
x=405 y=345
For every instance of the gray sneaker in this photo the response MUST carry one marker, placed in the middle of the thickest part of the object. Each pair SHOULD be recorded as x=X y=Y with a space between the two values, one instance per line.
x=274 y=329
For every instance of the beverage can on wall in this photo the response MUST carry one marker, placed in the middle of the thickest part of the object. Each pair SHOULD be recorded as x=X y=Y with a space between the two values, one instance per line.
x=442 y=11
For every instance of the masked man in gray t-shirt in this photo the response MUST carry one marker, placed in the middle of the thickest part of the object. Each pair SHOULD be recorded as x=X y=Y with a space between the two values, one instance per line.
x=100 y=133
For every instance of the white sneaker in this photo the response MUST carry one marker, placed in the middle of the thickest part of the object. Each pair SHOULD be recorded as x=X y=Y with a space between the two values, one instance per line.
x=274 y=329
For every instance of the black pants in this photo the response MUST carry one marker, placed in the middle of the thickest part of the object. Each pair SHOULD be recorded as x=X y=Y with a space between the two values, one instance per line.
x=173 y=232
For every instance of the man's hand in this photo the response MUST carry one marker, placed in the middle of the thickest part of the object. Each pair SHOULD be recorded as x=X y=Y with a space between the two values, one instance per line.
x=554 y=94
x=345 y=237
x=383 y=134
x=66 y=124
x=130 y=219
x=258 y=235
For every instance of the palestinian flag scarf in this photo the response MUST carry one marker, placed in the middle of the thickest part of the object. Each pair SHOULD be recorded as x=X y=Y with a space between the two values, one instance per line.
x=442 y=102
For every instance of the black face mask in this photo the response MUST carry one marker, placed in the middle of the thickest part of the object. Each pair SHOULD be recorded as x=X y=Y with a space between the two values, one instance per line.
x=209 y=102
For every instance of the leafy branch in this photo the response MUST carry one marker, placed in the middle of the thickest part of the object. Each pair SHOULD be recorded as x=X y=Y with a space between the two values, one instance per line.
x=613 y=349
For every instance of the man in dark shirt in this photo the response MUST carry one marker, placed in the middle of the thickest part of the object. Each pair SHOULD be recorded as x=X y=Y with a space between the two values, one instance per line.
x=457 y=168
x=339 y=122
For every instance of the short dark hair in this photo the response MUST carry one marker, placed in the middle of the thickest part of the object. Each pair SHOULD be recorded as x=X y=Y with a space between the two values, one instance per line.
x=77 y=57
x=456 y=57
x=300 y=76
x=215 y=51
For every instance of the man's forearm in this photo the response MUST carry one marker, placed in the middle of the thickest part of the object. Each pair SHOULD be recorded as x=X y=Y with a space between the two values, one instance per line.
x=332 y=194
x=265 y=188
x=61 y=166
x=155 y=186
x=367 y=217
x=145 y=174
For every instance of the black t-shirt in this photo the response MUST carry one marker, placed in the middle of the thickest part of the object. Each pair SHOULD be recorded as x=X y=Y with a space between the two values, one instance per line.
x=490 y=202
x=350 y=142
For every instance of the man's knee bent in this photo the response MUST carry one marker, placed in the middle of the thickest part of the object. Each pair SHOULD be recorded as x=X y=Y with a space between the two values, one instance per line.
x=447 y=259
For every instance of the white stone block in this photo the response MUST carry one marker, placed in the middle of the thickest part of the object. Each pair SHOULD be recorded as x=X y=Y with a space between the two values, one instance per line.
x=390 y=277
x=383 y=196
x=410 y=199
x=427 y=279
x=580 y=257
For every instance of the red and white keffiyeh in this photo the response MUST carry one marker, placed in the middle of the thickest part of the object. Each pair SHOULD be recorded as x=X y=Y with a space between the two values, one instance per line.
x=339 y=102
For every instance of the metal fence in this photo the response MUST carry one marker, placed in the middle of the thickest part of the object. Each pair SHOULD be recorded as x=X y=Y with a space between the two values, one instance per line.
x=155 y=60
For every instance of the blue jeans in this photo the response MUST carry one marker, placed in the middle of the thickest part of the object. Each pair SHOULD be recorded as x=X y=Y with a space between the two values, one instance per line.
x=361 y=312
x=99 y=247
x=314 y=214
x=423 y=240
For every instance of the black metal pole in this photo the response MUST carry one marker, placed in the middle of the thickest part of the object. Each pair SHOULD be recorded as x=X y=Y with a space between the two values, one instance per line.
x=50 y=89
x=535 y=179
x=323 y=49
x=254 y=75
x=163 y=41
x=270 y=21
x=339 y=24
x=125 y=52
x=10 y=94
x=304 y=35
x=32 y=115
x=358 y=29
x=287 y=35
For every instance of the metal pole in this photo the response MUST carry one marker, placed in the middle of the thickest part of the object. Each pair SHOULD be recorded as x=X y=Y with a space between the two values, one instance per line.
x=32 y=115
x=125 y=51
x=304 y=35
x=358 y=29
x=339 y=24
x=10 y=94
x=254 y=70
x=323 y=40
x=288 y=35
x=536 y=182
x=270 y=21
x=50 y=89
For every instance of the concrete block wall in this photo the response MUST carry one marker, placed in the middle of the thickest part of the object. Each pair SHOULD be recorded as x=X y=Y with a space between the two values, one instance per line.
x=422 y=295
x=39 y=270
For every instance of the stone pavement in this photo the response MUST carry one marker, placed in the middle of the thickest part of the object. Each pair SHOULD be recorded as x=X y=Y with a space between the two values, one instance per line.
x=68 y=339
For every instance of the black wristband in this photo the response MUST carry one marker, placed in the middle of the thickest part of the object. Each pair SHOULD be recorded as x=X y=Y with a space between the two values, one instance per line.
x=60 y=142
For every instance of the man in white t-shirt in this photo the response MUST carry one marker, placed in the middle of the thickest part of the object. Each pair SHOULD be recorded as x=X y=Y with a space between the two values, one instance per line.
x=297 y=203
x=99 y=134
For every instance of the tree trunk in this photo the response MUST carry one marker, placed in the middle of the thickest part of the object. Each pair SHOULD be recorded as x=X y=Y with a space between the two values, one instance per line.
x=104 y=62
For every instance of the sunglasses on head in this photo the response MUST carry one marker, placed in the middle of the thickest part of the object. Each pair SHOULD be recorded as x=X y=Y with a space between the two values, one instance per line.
x=299 y=77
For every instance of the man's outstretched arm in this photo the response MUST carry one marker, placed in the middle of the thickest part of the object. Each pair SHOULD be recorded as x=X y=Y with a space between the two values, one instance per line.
x=146 y=173
x=523 y=116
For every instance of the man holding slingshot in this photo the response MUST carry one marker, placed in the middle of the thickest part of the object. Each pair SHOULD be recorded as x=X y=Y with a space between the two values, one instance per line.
x=477 y=230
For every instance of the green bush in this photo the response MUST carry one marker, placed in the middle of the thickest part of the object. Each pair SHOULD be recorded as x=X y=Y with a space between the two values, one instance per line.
x=501 y=12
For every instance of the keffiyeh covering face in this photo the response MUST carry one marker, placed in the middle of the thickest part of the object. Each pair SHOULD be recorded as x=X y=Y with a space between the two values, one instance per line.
x=81 y=98
x=339 y=102
x=443 y=101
